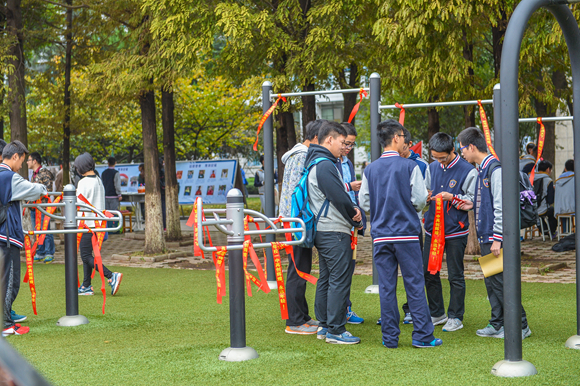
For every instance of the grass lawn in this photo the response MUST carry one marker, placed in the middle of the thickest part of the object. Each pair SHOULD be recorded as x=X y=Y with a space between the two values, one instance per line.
x=165 y=328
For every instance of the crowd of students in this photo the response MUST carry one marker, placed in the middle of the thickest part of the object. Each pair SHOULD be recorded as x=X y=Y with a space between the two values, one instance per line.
x=14 y=192
x=394 y=191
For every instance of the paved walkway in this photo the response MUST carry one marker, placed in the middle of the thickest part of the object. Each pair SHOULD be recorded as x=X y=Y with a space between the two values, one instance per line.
x=536 y=256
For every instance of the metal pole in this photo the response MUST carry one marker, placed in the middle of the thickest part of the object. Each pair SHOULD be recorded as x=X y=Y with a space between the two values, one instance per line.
x=496 y=120
x=375 y=99
x=438 y=104
x=269 y=201
x=238 y=350
x=72 y=317
x=322 y=92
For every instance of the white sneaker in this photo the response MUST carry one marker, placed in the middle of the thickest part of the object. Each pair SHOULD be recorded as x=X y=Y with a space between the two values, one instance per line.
x=439 y=319
x=453 y=324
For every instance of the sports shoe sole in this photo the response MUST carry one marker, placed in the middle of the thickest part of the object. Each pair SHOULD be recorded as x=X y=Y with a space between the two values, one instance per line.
x=299 y=332
x=499 y=336
x=318 y=336
x=349 y=322
x=117 y=284
x=442 y=321
x=86 y=293
x=428 y=346
x=453 y=329
x=336 y=341
x=20 y=320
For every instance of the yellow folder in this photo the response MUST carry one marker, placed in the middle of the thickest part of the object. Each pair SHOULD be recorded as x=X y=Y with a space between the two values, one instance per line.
x=491 y=264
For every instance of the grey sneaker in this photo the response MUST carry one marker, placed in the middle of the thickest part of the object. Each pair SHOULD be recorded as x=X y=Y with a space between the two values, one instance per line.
x=304 y=329
x=453 y=324
x=313 y=322
x=490 y=332
x=436 y=320
x=408 y=319
x=526 y=332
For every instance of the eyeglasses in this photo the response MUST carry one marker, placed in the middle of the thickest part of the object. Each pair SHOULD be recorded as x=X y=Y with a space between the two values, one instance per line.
x=349 y=145
x=463 y=147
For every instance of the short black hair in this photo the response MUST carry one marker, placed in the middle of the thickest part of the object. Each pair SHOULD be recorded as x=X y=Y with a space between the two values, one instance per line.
x=349 y=127
x=544 y=165
x=262 y=158
x=387 y=130
x=2 y=145
x=530 y=146
x=441 y=143
x=112 y=161
x=407 y=136
x=473 y=136
x=330 y=128
x=569 y=165
x=14 y=147
x=312 y=128
x=36 y=157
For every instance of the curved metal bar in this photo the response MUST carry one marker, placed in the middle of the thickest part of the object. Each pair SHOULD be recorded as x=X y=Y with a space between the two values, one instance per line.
x=47 y=214
x=48 y=204
x=220 y=227
x=266 y=219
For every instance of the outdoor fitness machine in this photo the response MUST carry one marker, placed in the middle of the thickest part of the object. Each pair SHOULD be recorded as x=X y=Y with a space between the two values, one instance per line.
x=70 y=218
x=513 y=365
x=267 y=96
x=233 y=226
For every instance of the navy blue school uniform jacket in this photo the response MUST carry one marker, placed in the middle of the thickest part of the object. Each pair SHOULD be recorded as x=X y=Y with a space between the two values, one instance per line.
x=393 y=190
x=458 y=178
x=487 y=205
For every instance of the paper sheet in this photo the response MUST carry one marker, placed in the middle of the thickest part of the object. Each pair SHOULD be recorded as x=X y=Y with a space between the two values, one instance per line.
x=491 y=265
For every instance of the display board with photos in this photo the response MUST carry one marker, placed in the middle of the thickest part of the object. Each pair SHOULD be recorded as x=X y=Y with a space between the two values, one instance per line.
x=210 y=180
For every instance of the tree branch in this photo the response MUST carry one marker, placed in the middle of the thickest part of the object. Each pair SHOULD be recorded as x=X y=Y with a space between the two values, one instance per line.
x=67 y=6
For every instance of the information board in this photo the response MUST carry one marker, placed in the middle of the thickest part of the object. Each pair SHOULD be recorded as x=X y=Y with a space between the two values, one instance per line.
x=210 y=180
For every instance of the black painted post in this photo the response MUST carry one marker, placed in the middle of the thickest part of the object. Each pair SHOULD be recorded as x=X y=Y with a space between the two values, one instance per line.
x=269 y=199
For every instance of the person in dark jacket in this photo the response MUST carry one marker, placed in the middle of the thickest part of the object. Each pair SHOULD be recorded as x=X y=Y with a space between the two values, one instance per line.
x=487 y=206
x=112 y=183
x=328 y=197
x=393 y=190
x=15 y=190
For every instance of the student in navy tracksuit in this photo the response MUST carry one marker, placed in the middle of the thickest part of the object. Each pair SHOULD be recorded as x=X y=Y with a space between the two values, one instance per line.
x=450 y=177
x=487 y=206
x=393 y=191
x=14 y=190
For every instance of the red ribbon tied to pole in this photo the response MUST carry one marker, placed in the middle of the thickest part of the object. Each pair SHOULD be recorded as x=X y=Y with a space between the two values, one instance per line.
x=486 y=132
x=541 y=140
x=437 y=238
x=265 y=117
x=362 y=93
x=401 y=114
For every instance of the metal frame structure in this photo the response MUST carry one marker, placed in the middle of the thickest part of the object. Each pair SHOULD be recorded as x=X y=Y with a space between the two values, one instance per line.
x=268 y=128
x=233 y=227
x=513 y=364
x=70 y=218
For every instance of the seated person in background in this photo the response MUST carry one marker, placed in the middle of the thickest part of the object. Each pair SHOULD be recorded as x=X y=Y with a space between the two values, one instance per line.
x=564 y=191
x=528 y=168
x=529 y=157
x=544 y=189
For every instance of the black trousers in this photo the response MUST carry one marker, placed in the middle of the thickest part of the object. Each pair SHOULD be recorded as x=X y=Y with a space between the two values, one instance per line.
x=494 y=287
x=296 y=286
x=335 y=256
x=10 y=279
x=454 y=252
x=86 y=250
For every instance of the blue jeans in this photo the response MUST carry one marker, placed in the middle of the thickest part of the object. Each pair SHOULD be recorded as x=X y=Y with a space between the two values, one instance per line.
x=46 y=249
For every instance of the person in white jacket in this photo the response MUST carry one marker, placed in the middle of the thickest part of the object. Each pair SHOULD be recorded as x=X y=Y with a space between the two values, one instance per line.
x=91 y=187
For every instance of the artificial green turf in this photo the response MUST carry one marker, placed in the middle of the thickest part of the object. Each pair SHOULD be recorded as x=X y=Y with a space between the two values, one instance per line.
x=165 y=328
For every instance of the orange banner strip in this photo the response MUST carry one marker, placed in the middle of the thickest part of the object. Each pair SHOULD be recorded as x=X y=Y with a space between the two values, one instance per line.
x=262 y=283
x=280 y=281
x=401 y=114
x=192 y=222
x=437 y=238
x=265 y=117
x=362 y=93
x=220 y=273
x=30 y=271
x=486 y=131
x=541 y=140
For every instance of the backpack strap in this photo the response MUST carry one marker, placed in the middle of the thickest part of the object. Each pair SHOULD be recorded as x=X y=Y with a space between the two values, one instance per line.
x=7 y=206
x=494 y=165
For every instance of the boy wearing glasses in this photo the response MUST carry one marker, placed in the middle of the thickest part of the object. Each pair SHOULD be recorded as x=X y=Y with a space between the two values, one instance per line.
x=346 y=169
x=452 y=178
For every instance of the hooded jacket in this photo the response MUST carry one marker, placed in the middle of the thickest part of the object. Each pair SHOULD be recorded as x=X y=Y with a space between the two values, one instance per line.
x=293 y=161
x=325 y=183
x=545 y=197
x=526 y=159
x=564 y=200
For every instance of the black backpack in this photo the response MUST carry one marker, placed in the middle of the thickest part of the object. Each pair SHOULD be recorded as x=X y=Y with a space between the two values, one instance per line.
x=528 y=199
x=568 y=243
x=3 y=217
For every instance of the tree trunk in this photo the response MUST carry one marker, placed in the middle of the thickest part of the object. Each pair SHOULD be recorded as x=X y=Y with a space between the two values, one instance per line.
x=469 y=116
x=472 y=247
x=469 y=111
x=66 y=119
x=308 y=108
x=171 y=187
x=16 y=81
x=349 y=99
x=285 y=124
x=497 y=35
x=154 y=241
